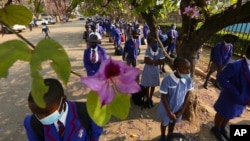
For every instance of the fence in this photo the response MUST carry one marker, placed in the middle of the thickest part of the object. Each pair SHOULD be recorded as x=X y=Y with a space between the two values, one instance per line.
x=241 y=30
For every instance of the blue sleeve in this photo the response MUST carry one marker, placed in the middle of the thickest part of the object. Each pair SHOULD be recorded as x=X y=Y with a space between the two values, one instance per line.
x=31 y=135
x=104 y=54
x=164 y=85
x=86 y=62
x=226 y=79
x=96 y=131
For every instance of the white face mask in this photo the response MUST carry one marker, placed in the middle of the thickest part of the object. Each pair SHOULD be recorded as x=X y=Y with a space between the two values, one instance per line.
x=55 y=116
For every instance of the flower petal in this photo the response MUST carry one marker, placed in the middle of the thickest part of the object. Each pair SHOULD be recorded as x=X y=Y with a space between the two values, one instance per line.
x=106 y=94
x=128 y=88
x=93 y=82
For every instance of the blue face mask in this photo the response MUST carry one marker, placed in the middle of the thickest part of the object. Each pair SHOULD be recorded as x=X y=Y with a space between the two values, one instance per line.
x=186 y=76
x=50 y=119
x=154 y=46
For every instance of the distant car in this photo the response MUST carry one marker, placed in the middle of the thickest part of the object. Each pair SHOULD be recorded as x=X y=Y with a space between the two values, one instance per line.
x=52 y=20
x=81 y=18
x=19 y=28
x=49 y=20
x=40 y=21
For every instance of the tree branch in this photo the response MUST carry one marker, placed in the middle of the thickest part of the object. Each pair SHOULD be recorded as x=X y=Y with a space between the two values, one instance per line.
x=8 y=2
x=106 y=4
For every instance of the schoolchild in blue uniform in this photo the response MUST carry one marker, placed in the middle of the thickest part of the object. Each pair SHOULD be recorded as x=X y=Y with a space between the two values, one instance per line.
x=145 y=30
x=58 y=111
x=131 y=47
x=234 y=81
x=175 y=90
x=94 y=55
x=174 y=34
x=150 y=75
x=117 y=36
x=220 y=56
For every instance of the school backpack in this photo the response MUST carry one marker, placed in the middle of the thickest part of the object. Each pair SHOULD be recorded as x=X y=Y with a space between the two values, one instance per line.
x=118 y=50
x=138 y=98
x=82 y=114
x=143 y=41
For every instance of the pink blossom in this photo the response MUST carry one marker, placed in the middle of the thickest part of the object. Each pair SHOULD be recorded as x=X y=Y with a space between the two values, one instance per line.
x=192 y=11
x=113 y=77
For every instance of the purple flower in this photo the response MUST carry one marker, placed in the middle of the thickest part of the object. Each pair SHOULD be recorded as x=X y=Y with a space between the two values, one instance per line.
x=192 y=11
x=112 y=77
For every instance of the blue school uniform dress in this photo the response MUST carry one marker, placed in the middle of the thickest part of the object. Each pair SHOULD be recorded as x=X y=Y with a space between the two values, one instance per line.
x=151 y=74
x=235 y=94
x=74 y=131
x=176 y=90
x=90 y=66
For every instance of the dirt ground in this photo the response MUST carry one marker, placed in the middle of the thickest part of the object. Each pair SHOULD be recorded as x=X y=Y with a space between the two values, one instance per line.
x=140 y=125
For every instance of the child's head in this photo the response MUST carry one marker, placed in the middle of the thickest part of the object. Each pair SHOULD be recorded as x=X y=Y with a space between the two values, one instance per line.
x=152 y=41
x=136 y=33
x=54 y=100
x=182 y=67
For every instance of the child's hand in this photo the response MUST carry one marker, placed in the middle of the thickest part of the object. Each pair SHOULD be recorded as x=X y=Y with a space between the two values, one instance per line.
x=178 y=114
x=172 y=116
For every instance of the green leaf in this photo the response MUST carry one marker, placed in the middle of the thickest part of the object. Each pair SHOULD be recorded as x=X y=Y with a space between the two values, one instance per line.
x=38 y=89
x=48 y=50
x=120 y=105
x=100 y=115
x=10 y=52
x=15 y=14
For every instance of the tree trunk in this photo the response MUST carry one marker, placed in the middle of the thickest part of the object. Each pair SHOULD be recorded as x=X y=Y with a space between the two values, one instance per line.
x=191 y=110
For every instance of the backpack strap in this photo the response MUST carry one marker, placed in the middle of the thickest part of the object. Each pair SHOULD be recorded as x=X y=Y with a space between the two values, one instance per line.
x=84 y=116
x=37 y=127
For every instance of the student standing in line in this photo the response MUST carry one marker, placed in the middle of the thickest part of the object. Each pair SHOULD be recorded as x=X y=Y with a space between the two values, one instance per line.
x=131 y=47
x=93 y=55
x=151 y=74
x=175 y=90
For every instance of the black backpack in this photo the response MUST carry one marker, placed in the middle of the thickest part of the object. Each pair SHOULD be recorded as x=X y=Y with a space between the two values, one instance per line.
x=82 y=114
x=118 y=50
x=138 y=98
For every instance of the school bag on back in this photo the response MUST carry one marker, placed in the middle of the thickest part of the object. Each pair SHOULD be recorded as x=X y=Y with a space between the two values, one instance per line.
x=138 y=98
x=82 y=114
x=118 y=50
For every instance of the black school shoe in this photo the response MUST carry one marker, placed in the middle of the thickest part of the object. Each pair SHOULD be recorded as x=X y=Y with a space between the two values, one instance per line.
x=162 y=138
x=225 y=134
x=218 y=134
x=148 y=104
